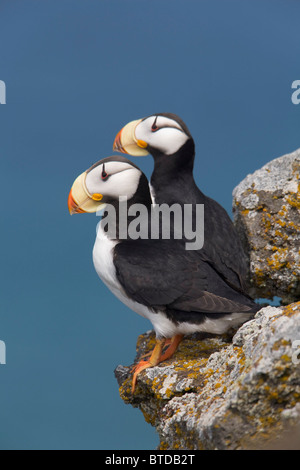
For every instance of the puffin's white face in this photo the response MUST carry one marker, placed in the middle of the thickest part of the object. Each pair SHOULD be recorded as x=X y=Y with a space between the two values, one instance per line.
x=161 y=133
x=113 y=179
x=105 y=181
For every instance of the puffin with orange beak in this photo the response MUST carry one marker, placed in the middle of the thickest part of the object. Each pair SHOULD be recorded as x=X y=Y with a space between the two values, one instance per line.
x=166 y=137
x=157 y=278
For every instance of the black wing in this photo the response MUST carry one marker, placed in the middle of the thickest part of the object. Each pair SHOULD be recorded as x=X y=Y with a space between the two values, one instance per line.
x=222 y=246
x=163 y=274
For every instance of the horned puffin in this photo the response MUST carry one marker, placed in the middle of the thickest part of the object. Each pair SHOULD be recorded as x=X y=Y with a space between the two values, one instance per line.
x=167 y=138
x=173 y=288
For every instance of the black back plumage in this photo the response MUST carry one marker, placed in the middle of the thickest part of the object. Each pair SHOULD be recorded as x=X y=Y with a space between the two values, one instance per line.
x=173 y=182
x=163 y=275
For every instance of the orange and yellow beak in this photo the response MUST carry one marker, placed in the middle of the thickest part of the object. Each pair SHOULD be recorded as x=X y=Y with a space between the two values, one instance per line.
x=80 y=201
x=73 y=206
x=117 y=146
x=126 y=141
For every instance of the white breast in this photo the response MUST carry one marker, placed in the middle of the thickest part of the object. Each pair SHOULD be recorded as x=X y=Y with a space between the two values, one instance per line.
x=152 y=194
x=103 y=259
x=103 y=262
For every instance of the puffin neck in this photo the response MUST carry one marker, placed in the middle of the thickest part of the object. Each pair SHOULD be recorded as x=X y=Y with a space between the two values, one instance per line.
x=173 y=167
x=142 y=196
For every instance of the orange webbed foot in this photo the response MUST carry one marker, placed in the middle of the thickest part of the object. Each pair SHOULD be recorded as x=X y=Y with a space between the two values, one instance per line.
x=157 y=356
x=151 y=362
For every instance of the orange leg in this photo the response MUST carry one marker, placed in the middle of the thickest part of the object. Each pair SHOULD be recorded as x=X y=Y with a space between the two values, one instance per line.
x=157 y=356
x=153 y=361
x=167 y=343
x=173 y=345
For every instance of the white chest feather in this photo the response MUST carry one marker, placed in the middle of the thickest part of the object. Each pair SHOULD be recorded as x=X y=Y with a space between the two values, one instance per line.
x=152 y=193
x=103 y=262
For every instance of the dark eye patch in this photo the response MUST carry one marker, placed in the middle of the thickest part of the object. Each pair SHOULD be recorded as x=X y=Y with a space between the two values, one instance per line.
x=104 y=175
x=154 y=126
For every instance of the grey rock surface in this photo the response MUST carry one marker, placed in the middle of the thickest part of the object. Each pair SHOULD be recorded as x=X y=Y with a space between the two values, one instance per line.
x=266 y=206
x=221 y=392
x=239 y=391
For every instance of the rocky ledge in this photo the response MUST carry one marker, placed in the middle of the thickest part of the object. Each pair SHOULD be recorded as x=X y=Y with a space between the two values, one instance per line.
x=266 y=208
x=239 y=391
x=222 y=392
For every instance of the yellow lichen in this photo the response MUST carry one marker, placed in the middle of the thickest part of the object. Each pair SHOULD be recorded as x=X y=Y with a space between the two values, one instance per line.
x=294 y=200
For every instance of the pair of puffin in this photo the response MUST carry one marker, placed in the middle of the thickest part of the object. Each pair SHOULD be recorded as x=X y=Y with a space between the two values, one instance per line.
x=180 y=291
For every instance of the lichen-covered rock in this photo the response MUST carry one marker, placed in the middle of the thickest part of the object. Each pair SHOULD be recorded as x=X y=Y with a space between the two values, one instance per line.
x=222 y=392
x=266 y=206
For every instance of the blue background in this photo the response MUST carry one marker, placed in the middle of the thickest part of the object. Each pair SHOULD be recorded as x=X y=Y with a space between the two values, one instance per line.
x=76 y=71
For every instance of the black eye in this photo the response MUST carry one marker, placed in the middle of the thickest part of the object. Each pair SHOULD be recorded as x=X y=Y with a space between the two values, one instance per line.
x=154 y=126
x=104 y=175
